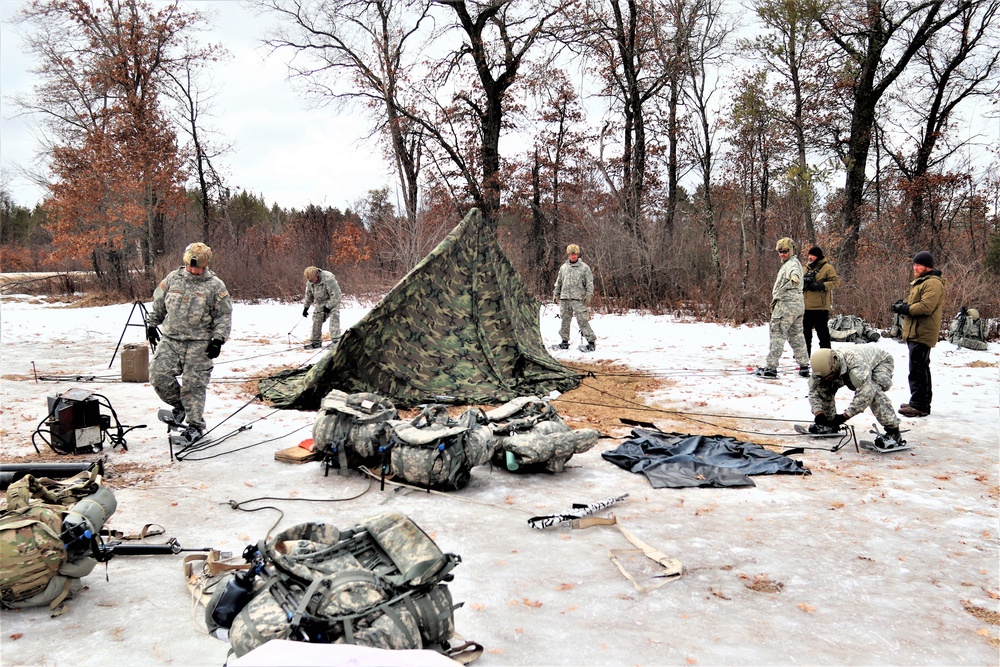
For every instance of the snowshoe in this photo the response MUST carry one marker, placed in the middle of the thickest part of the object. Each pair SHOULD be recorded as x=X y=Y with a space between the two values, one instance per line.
x=885 y=443
x=172 y=418
x=766 y=373
x=817 y=431
x=589 y=347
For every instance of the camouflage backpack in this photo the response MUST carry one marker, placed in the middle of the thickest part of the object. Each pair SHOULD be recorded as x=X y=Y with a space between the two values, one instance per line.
x=967 y=329
x=378 y=584
x=347 y=426
x=852 y=329
x=435 y=451
x=532 y=437
x=46 y=533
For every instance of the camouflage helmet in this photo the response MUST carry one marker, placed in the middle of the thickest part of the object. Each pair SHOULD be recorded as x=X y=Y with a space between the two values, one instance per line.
x=311 y=273
x=197 y=255
x=973 y=313
x=572 y=249
x=784 y=244
x=824 y=362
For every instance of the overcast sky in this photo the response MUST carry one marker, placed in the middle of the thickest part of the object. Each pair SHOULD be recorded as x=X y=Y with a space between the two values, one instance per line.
x=288 y=153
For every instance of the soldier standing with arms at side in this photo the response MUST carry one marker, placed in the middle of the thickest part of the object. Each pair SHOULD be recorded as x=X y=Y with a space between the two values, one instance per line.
x=193 y=306
x=573 y=291
x=787 y=310
x=818 y=282
x=322 y=288
x=921 y=325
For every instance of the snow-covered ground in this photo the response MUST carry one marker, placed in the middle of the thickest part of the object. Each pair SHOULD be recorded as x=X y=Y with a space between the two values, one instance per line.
x=870 y=560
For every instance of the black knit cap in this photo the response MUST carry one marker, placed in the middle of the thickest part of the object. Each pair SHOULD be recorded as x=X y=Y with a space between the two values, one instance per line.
x=924 y=258
x=817 y=251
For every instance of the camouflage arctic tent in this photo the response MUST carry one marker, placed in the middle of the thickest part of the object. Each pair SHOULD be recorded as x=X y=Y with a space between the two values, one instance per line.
x=460 y=327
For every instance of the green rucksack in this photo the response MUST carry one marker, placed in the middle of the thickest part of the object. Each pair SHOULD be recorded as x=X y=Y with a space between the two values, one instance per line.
x=346 y=428
x=378 y=584
x=967 y=329
x=532 y=437
x=435 y=451
x=45 y=537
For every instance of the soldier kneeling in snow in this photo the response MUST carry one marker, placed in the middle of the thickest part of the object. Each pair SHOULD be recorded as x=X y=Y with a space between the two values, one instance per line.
x=866 y=369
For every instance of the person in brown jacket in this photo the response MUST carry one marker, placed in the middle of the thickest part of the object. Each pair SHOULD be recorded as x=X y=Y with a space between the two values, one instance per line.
x=921 y=326
x=819 y=280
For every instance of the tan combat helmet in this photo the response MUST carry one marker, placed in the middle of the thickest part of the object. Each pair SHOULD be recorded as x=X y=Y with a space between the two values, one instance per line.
x=311 y=273
x=824 y=362
x=572 y=249
x=784 y=244
x=198 y=255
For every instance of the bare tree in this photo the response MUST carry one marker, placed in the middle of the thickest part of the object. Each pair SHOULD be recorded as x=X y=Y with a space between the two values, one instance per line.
x=876 y=40
x=361 y=52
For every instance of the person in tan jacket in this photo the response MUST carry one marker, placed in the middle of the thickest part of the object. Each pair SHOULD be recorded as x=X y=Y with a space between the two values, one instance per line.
x=819 y=281
x=921 y=326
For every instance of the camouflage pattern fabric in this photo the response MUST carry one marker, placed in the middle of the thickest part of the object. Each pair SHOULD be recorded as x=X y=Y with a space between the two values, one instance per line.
x=326 y=295
x=460 y=325
x=570 y=308
x=433 y=453
x=967 y=331
x=532 y=432
x=352 y=422
x=191 y=310
x=188 y=360
x=315 y=588
x=852 y=329
x=190 y=307
x=865 y=369
x=35 y=568
x=787 y=310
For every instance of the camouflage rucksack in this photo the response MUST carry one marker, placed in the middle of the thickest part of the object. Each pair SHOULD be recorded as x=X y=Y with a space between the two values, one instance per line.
x=346 y=428
x=532 y=437
x=435 y=451
x=378 y=584
x=45 y=537
x=968 y=330
x=852 y=329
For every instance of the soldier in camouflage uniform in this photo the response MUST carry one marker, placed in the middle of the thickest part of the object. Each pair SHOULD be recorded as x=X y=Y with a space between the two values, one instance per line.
x=787 y=310
x=866 y=369
x=573 y=291
x=323 y=290
x=192 y=305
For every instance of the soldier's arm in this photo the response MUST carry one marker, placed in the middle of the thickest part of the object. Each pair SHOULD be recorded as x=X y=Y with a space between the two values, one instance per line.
x=831 y=279
x=930 y=297
x=222 y=316
x=159 y=311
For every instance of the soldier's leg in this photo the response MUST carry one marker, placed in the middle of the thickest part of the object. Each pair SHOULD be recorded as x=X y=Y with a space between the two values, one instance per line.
x=163 y=371
x=334 y=320
x=566 y=317
x=582 y=313
x=882 y=409
x=882 y=374
x=808 y=323
x=798 y=341
x=194 y=382
x=779 y=334
x=317 y=330
x=823 y=328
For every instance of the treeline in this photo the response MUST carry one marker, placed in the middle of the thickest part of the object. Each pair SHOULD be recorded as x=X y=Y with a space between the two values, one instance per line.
x=836 y=124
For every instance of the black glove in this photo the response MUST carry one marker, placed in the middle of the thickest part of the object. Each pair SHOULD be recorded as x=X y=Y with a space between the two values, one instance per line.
x=818 y=287
x=305 y=312
x=153 y=336
x=901 y=307
x=821 y=420
x=837 y=421
x=214 y=348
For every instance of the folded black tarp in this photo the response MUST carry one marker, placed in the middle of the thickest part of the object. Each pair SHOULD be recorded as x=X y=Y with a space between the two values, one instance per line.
x=674 y=460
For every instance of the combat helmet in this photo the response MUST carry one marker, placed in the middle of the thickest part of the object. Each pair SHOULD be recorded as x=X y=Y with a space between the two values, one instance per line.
x=572 y=249
x=310 y=273
x=784 y=244
x=824 y=362
x=198 y=255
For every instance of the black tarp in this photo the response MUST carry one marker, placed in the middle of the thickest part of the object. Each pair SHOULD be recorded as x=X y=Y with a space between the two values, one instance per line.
x=675 y=460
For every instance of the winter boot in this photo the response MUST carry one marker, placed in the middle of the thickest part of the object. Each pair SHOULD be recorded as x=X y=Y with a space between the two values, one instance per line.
x=564 y=345
x=315 y=345
x=803 y=371
x=911 y=411
x=589 y=347
x=762 y=372
x=821 y=429
x=891 y=440
x=192 y=433
x=178 y=415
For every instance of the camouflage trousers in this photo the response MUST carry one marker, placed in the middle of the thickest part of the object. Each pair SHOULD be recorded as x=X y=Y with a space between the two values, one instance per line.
x=570 y=308
x=871 y=395
x=319 y=318
x=186 y=359
x=787 y=326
